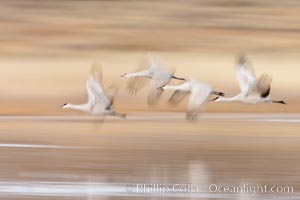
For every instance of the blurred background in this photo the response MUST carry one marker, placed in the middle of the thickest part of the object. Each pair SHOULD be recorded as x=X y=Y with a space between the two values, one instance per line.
x=47 y=48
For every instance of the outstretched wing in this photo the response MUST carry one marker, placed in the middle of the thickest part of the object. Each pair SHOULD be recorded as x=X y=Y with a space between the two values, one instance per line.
x=152 y=65
x=181 y=91
x=180 y=94
x=111 y=92
x=96 y=91
x=198 y=97
x=161 y=77
x=263 y=86
x=245 y=74
x=96 y=72
x=177 y=97
x=155 y=94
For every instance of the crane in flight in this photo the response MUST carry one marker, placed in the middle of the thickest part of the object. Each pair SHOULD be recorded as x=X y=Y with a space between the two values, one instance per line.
x=253 y=90
x=152 y=69
x=198 y=92
x=100 y=101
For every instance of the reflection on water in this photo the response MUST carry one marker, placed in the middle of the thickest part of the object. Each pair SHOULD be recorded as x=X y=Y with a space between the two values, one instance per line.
x=55 y=159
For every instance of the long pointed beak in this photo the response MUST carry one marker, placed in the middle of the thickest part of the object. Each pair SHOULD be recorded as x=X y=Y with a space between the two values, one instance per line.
x=281 y=102
x=123 y=75
x=63 y=105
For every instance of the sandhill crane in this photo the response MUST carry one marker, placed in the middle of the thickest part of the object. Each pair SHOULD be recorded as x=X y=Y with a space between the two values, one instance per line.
x=199 y=94
x=253 y=90
x=99 y=101
x=149 y=69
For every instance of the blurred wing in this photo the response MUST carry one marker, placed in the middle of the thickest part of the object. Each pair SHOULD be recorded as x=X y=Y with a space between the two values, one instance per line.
x=96 y=92
x=180 y=94
x=262 y=87
x=177 y=97
x=137 y=83
x=90 y=92
x=160 y=69
x=96 y=72
x=111 y=92
x=156 y=63
x=155 y=93
x=197 y=99
x=245 y=74
x=154 y=96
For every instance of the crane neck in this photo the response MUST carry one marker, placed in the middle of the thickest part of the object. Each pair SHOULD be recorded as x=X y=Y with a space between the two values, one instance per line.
x=80 y=107
x=144 y=73
x=230 y=99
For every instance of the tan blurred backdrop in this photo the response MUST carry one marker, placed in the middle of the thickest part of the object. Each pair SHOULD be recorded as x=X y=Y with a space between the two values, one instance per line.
x=47 y=48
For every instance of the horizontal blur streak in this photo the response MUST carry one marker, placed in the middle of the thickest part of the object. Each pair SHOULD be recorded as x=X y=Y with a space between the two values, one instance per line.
x=47 y=48
x=39 y=146
x=157 y=117
x=78 y=27
x=40 y=86
x=46 y=51
x=220 y=150
x=125 y=190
